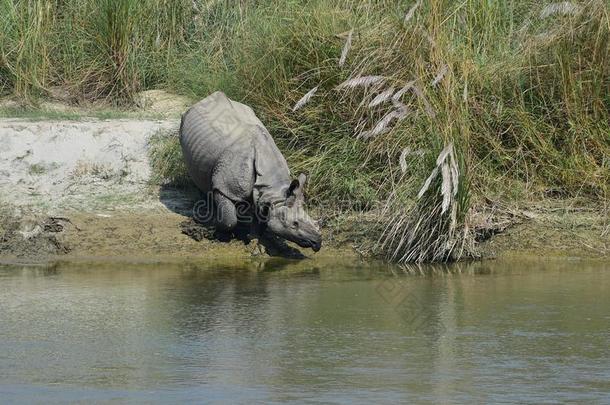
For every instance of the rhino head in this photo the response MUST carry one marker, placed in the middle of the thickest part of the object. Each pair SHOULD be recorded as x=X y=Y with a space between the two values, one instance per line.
x=288 y=218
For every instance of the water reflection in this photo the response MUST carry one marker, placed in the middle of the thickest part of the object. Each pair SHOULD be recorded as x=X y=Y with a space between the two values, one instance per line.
x=279 y=330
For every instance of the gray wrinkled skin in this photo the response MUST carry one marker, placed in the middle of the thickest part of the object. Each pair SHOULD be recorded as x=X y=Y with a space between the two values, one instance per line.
x=230 y=153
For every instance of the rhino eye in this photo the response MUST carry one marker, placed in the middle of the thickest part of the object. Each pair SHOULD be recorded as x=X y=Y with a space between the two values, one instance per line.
x=295 y=224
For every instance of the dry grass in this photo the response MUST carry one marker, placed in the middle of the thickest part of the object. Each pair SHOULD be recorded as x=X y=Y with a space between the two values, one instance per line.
x=435 y=227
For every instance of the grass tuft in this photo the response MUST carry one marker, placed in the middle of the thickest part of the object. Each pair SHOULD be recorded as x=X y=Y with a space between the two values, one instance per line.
x=435 y=227
x=166 y=161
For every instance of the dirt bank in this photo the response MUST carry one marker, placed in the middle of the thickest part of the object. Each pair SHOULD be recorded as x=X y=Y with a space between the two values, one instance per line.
x=82 y=190
x=554 y=227
x=71 y=165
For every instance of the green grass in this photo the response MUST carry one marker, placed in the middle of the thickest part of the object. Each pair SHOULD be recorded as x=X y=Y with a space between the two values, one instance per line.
x=524 y=99
x=166 y=160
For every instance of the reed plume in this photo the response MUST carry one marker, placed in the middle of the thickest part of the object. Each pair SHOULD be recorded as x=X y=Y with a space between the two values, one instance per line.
x=305 y=99
x=346 y=48
x=360 y=81
x=411 y=11
x=562 y=8
x=382 y=97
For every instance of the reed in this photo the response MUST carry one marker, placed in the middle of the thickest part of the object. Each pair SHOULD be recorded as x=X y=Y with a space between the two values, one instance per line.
x=346 y=48
x=434 y=228
x=166 y=161
x=305 y=99
x=25 y=50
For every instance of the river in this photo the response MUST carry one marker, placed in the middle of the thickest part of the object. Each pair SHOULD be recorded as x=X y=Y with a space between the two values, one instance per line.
x=270 y=332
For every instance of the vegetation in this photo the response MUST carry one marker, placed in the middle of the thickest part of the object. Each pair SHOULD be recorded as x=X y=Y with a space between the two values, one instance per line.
x=520 y=89
x=167 y=162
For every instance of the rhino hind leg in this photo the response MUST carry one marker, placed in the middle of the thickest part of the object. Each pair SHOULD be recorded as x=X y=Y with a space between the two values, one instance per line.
x=226 y=214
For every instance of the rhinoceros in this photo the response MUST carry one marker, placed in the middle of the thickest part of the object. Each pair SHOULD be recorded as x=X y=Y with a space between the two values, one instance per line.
x=231 y=156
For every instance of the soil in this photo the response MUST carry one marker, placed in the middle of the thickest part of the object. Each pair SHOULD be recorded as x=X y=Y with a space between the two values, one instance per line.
x=83 y=189
x=70 y=165
x=163 y=235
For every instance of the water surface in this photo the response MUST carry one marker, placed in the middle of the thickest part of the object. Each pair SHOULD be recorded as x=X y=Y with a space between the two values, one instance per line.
x=339 y=333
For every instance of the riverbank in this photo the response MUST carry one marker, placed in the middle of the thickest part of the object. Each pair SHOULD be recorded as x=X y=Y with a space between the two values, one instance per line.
x=132 y=236
x=128 y=236
x=84 y=189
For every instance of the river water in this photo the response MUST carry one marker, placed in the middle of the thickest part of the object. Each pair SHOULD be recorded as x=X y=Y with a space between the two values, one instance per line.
x=344 y=332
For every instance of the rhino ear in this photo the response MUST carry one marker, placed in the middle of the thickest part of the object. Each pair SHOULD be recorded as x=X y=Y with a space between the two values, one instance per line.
x=297 y=186
x=293 y=189
x=302 y=180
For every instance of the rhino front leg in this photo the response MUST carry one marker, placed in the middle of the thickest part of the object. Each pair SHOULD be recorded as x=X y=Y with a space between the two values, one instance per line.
x=226 y=215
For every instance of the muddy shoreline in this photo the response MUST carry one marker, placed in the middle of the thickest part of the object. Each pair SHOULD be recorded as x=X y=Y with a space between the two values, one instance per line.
x=162 y=236
x=136 y=236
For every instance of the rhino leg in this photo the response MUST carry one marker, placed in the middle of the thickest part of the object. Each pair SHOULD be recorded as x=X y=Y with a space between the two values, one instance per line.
x=233 y=174
x=226 y=215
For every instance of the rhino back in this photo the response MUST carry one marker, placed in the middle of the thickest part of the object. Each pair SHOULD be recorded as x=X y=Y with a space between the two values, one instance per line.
x=211 y=128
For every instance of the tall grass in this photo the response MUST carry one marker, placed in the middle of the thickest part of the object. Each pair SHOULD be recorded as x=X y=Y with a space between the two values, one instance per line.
x=521 y=89
x=25 y=49
x=98 y=50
